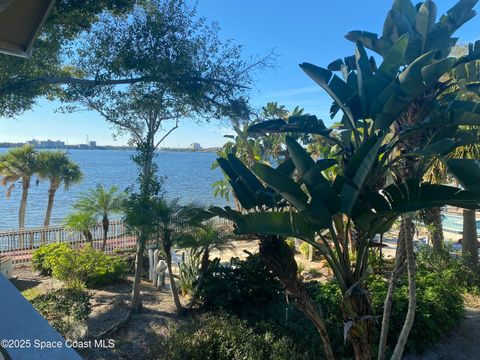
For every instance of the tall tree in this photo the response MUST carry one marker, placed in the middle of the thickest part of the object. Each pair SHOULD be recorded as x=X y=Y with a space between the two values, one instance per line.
x=102 y=204
x=58 y=169
x=390 y=130
x=159 y=68
x=24 y=81
x=19 y=165
x=428 y=38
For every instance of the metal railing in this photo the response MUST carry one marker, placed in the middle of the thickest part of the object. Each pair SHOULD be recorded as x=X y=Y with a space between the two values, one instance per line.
x=20 y=244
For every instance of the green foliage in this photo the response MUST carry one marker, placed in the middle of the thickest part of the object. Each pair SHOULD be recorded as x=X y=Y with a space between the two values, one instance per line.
x=304 y=249
x=45 y=257
x=291 y=242
x=439 y=306
x=102 y=203
x=66 y=309
x=57 y=168
x=86 y=266
x=457 y=268
x=81 y=221
x=222 y=337
x=244 y=290
x=252 y=293
x=189 y=270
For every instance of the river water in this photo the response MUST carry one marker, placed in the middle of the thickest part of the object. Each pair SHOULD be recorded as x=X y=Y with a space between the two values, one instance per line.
x=188 y=176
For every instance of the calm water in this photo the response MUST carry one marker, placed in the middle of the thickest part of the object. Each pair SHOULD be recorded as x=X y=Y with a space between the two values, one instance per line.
x=188 y=177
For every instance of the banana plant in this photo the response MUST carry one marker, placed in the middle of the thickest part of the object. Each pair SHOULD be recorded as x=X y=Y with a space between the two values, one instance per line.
x=420 y=23
x=320 y=211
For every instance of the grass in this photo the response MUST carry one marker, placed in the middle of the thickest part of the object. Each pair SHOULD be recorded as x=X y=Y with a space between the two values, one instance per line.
x=31 y=293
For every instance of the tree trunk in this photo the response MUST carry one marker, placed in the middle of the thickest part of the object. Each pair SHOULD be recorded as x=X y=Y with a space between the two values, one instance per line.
x=48 y=214
x=359 y=322
x=399 y=267
x=469 y=241
x=145 y=192
x=412 y=296
x=173 y=285
x=22 y=210
x=23 y=204
x=136 y=298
x=88 y=235
x=432 y=218
x=105 y=225
x=280 y=259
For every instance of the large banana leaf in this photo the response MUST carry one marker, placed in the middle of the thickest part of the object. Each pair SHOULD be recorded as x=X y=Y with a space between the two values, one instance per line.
x=318 y=186
x=338 y=90
x=357 y=171
x=425 y=20
x=283 y=185
x=458 y=15
x=467 y=171
x=288 y=224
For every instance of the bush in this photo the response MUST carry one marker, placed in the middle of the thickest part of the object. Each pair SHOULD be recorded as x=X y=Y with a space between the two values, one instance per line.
x=45 y=257
x=67 y=310
x=291 y=243
x=439 y=307
x=252 y=293
x=222 y=337
x=246 y=290
x=304 y=249
x=86 y=266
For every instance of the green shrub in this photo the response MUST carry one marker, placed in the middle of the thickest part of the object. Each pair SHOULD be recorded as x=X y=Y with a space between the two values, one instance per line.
x=439 y=307
x=90 y=267
x=222 y=337
x=246 y=290
x=87 y=266
x=291 y=243
x=45 y=257
x=304 y=249
x=67 y=310
x=252 y=293
x=189 y=270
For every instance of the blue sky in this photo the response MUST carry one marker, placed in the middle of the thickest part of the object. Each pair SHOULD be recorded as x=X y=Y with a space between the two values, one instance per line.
x=301 y=30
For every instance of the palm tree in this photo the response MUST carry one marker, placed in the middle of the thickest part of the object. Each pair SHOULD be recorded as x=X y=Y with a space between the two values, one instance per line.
x=82 y=221
x=19 y=165
x=172 y=221
x=102 y=203
x=57 y=168
x=202 y=241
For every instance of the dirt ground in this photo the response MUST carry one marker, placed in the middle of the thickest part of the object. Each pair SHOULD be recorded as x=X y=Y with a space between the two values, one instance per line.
x=109 y=307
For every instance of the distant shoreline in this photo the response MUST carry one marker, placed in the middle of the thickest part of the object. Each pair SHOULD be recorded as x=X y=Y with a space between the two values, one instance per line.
x=106 y=147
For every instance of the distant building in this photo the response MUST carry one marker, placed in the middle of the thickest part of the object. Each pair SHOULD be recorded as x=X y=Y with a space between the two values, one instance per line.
x=34 y=142
x=92 y=144
x=196 y=147
x=51 y=144
x=47 y=144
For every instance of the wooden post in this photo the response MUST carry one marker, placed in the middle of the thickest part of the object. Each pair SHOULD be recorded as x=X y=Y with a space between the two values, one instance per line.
x=151 y=270
x=155 y=262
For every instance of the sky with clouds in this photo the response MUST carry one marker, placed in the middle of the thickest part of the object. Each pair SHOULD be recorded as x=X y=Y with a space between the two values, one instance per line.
x=298 y=31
